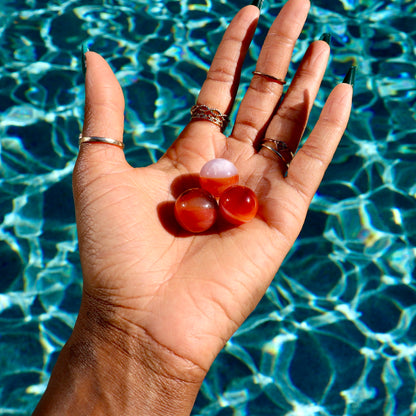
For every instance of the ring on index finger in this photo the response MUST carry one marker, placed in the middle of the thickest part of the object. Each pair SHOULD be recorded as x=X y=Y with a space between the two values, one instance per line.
x=203 y=112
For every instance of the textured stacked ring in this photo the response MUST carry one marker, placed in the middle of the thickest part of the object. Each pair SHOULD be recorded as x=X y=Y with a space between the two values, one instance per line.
x=203 y=112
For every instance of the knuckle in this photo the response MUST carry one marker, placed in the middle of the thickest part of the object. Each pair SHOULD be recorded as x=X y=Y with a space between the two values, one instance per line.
x=333 y=123
x=291 y=113
x=221 y=73
x=266 y=88
x=245 y=130
x=315 y=154
x=280 y=38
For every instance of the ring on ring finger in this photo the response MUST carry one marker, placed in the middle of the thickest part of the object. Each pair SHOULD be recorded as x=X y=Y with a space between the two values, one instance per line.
x=280 y=149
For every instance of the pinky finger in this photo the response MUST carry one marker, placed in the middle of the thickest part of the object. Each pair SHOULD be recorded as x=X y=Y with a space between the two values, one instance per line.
x=310 y=163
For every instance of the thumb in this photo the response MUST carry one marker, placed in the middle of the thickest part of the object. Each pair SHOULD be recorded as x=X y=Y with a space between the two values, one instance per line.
x=103 y=117
x=97 y=165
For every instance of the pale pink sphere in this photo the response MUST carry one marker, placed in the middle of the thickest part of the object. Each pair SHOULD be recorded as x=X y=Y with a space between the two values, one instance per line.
x=217 y=175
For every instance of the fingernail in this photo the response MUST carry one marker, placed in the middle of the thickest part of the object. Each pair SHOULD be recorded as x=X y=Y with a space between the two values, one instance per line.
x=350 y=77
x=83 y=60
x=326 y=37
x=257 y=3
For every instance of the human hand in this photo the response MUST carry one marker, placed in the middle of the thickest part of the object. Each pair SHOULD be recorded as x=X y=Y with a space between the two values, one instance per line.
x=153 y=290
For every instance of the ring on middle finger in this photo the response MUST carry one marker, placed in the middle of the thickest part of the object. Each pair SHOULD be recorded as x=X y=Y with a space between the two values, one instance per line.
x=269 y=77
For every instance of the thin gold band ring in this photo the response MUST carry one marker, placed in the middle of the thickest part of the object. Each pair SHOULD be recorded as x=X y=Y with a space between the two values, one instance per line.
x=97 y=139
x=270 y=77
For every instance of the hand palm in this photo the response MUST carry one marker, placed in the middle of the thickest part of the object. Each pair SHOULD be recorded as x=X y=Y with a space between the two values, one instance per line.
x=183 y=290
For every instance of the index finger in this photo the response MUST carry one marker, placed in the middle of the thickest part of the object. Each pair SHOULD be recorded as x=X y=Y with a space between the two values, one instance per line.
x=223 y=77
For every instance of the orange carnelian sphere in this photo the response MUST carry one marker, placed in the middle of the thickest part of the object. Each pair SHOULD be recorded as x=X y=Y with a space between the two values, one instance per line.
x=196 y=210
x=238 y=204
x=217 y=175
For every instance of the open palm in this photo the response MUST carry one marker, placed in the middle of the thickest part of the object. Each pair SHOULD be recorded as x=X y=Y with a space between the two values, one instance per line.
x=187 y=293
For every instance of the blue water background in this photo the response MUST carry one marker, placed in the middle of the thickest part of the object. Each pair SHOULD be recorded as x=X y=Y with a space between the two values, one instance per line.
x=335 y=333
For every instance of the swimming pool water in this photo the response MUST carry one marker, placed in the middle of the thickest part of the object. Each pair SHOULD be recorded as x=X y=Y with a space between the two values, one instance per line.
x=335 y=333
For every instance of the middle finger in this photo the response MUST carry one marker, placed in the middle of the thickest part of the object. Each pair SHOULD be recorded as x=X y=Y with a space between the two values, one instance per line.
x=289 y=122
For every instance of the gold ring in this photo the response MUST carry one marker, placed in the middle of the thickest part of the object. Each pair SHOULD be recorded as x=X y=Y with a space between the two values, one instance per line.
x=270 y=77
x=97 y=139
x=203 y=112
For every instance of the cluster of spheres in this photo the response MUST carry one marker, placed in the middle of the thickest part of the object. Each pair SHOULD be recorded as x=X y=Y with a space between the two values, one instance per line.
x=197 y=209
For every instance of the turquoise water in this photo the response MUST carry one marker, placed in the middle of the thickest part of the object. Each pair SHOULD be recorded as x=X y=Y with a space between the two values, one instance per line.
x=335 y=333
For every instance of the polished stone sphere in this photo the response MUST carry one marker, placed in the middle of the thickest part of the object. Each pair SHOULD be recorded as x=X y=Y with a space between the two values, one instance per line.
x=196 y=210
x=238 y=204
x=217 y=175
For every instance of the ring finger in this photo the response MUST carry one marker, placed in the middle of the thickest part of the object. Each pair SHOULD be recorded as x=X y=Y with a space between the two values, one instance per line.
x=290 y=120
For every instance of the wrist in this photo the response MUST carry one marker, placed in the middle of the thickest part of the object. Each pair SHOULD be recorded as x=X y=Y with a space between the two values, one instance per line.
x=110 y=368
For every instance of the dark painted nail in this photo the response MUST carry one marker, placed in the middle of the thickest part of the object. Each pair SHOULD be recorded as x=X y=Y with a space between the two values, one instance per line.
x=83 y=60
x=326 y=37
x=350 y=77
x=258 y=3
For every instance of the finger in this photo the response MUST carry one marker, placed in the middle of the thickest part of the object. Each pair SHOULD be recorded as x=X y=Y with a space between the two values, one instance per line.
x=220 y=86
x=290 y=121
x=202 y=140
x=263 y=95
x=310 y=163
x=103 y=116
